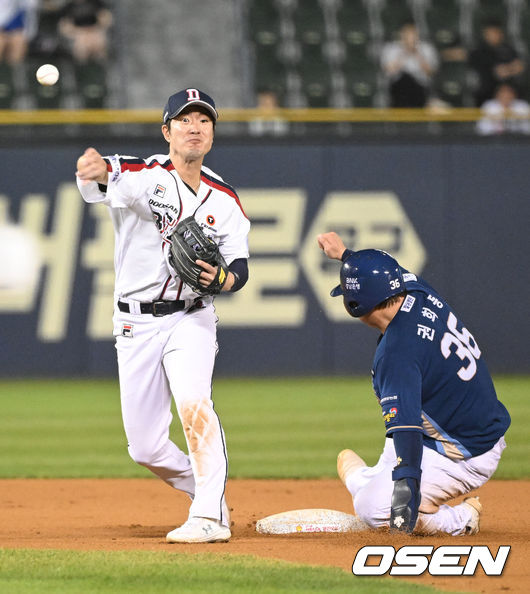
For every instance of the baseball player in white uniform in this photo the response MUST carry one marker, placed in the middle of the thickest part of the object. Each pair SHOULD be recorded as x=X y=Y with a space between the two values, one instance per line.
x=165 y=332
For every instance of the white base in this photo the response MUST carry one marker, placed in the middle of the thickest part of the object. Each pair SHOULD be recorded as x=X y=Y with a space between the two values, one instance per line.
x=310 y=520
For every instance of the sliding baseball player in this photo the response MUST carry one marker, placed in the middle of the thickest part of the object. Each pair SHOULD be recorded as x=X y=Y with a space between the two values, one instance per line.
x=444 y=424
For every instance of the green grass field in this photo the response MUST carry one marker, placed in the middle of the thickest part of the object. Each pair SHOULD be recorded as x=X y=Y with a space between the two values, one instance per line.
x=131 y=572
x=274 y=428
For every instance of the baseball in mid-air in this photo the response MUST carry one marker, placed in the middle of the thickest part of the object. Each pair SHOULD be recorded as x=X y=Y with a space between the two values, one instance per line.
x=19 y=254
x=47 y=75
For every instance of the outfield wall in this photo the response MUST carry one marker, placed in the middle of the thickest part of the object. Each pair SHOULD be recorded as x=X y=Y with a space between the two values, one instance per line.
x=456 y=213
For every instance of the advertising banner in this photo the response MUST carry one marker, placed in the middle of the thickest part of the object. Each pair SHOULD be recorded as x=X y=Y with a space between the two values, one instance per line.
x=455 y=214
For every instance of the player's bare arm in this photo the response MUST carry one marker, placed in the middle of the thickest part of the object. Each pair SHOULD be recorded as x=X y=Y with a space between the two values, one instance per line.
x=331 y=244
x=209 y=274
x=92 y=167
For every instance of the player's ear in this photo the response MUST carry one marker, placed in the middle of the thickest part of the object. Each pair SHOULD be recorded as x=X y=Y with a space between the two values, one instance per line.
x=165 y=132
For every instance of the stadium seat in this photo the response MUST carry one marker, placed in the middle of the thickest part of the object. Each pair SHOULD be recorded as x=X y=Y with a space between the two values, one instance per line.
x=309 y=23
x=361 y=82
x=354 y=27
x=317 y=91
x=7 y=86
x=315 y=78
x=443 y=23
x=524 y=39
x=47 y=47
x=524 y=30
x=263 y=23
x=269 y=70
x=91 y=84
x=491 y=9
x=451 y=84
x=355 y=55
x=393 y=14
x=47 y=44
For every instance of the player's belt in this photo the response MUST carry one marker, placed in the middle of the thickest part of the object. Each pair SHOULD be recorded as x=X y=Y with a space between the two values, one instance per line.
x=156 y=308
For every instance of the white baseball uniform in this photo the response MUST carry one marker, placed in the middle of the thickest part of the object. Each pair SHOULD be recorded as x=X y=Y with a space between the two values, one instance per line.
x=173 y=354
x=442 y=480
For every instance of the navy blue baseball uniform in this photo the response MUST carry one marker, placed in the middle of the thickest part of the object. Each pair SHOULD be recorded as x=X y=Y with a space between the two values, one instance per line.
x=444 y=424
x=430 y=376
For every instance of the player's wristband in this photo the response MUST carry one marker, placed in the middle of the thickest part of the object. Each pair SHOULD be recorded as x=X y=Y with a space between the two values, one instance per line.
x=239 y=268
x=401 y=472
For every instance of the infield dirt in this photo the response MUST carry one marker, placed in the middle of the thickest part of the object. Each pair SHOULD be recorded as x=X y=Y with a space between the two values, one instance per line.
x=121 y=514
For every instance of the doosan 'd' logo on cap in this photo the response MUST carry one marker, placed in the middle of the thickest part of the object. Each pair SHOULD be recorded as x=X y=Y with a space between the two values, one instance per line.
x=193 y=95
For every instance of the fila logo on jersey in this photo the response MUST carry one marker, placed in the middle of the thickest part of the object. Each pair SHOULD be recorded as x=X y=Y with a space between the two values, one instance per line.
x=127 y=330
x=159 y=191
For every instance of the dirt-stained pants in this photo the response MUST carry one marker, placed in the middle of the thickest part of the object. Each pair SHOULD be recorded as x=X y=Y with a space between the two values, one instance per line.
x=173 y=355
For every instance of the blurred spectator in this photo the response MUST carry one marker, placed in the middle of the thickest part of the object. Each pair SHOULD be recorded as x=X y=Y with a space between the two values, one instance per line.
x=456 y=52
x=268 y=102
x=47 y=45
x=409 y=65
x=505 y=113
x=495 y=61
x=17 y=27
x=85 y=23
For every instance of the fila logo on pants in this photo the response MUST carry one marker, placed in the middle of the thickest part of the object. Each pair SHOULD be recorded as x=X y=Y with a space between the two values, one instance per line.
x=127 y=330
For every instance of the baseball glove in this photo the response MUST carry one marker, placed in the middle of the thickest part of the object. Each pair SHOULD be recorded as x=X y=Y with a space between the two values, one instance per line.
x=189 y=243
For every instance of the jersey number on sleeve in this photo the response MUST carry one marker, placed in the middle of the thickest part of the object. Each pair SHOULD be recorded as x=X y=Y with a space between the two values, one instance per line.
x=466 y=348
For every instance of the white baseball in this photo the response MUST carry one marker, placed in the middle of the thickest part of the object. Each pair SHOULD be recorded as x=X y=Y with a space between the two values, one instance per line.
x=19 y=254
x=47 y=75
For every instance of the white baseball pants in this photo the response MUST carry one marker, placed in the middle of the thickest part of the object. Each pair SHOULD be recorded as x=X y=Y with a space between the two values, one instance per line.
x=173 y=355
x=442 y=479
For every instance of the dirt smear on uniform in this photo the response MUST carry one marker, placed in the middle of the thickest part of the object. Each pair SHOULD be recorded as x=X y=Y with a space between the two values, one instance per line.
x=135 y=514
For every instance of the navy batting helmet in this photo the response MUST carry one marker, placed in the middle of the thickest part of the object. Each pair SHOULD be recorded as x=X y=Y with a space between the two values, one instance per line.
x=367 y=278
